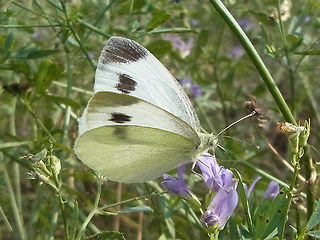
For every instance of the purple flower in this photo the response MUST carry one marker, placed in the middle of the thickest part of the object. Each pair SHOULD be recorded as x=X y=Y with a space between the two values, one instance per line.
x=272 y=190
x=245 y=24
x=215 y=177
x=222 y=206
x=91 y=55
x=194 y=88
x=177 y=186
x=179 y=44
x=236 y=52
x=195 y=91
x=186 y=82
x=37 y=35
x=253 y=184
x=307 y=19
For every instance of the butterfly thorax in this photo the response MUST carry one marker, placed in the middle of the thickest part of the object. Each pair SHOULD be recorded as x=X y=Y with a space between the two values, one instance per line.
x=208 y=141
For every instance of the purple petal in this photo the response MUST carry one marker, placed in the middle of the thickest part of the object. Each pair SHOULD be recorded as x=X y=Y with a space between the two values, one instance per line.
x=195 y=91
x=177 y=186
x=245 y=24
x=307 y=19
x=215 y=177
x=272 y=190
x=222 y=206
x=186 y=82
x=179 y=44
x=253 y=184
x=209 y=218
x=236 y=52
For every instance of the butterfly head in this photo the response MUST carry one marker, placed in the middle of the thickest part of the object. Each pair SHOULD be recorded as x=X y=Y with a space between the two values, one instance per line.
x=208 y=141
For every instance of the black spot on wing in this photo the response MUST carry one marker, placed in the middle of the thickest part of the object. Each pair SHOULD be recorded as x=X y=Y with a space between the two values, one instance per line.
x=120 y=118
x=122 y=50
x=126 y=84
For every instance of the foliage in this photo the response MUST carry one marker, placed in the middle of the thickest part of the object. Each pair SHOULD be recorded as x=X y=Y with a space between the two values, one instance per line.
x=49 y=52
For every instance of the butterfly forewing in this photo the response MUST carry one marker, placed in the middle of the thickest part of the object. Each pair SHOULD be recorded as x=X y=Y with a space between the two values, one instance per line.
x=127 y=68
x=107 y=108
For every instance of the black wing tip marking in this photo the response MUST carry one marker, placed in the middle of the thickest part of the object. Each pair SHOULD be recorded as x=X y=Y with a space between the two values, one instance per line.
x=122 y=50
x=126 y=84
x=119 y=118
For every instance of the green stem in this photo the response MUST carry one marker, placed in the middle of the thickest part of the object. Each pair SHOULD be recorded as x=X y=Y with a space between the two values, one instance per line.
x=255 y=58
x=60 y=199
x=94 y=29
x=93 y=211
x=132 y=199
x=307 y=163
x=68 y=94
x=76 y=36
x=295 y=161
x=98 y=19
x=285 y=46
x=30 y=26
x=5 y=219
x=16 y=214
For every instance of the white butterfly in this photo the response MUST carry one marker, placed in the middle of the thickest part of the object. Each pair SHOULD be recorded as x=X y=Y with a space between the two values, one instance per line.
x=140 y=123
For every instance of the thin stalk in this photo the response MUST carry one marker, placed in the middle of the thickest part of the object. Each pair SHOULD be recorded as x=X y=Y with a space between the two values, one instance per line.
x=93 y=211
x=60 y=200
x=36 y=13
x=17 y=217
x=5 y=219
x=98 y=19
x=33 y=114
x=30 y=26
x=16 y=168
x=216 y=77
x=54 y=220
x=94 y=29
x=131 y=200
x=256 y=60
x=295 y=161
x=286 y=53
x=68 y=94
x=307 y=163
x=76 y=36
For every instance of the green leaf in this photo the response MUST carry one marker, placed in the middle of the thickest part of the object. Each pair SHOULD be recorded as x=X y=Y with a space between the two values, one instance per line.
x=315 y=217
x=159 y=17
x=244 y=201
x=45 y=75
x=40 y=155
x=63 y=100
x=106 y=235
x=13 y=144
x=168 y=216
x=294 y=41
x=309 y=52
x=171 y=30
x=270 y=215
x=141 y=208
x=159 y=48
x=41 y=53
x=315 y=234
x=8 y=43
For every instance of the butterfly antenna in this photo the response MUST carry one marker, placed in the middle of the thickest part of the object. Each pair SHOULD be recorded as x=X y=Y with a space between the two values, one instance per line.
x=234 y=123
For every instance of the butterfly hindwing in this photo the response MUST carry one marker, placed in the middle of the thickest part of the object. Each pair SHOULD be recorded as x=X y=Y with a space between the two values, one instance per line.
x=128 y=68
x=131 y=154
